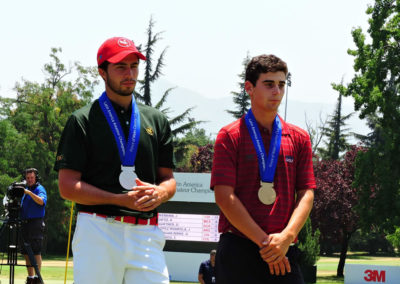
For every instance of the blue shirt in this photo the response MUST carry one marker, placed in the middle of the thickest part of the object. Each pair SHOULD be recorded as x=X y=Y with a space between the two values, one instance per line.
x=30 y=209
x=208 y=272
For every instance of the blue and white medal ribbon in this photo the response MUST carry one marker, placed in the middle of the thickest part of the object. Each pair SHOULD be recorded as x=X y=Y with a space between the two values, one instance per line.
x=127 y=150
x=266 y=164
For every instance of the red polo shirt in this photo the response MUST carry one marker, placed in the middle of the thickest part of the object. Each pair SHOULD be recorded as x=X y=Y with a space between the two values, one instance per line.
x=235 y=164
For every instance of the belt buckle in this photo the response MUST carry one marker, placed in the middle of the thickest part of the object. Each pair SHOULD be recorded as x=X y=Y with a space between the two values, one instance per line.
x=110 y=219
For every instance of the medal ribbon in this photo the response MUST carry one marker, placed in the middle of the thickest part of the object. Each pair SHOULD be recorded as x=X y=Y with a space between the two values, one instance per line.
x=266 y=165
x=127 y=151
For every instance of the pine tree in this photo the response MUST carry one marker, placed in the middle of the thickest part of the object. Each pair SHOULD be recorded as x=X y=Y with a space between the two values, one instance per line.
x=183 y=121
x=241 y=98
x=335 y=132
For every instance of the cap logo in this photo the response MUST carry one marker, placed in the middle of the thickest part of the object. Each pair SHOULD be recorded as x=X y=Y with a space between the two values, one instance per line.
x=123 y=42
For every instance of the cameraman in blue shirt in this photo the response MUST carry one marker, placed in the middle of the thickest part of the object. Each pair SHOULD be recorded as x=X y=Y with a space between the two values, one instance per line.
x=32 y=215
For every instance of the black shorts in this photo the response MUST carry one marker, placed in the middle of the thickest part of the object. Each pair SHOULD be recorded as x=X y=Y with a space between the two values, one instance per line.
x=238 y=261
x=32 y=232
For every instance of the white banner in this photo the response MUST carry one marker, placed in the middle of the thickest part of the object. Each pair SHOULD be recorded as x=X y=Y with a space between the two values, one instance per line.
x=193 y=187
x=360 y=274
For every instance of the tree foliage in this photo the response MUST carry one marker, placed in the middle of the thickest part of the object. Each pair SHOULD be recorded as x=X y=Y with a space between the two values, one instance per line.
x=377 y=134
x=188 y=146
x=335 y=199
x=241 y=99
x=394 y=238
x=375 y=88
x=309 y=244
x=153 y=70
x=315 y=132
x=30 y=129
x=151 y=73
x=371 y=242
x=335 y=132
x=202 y=159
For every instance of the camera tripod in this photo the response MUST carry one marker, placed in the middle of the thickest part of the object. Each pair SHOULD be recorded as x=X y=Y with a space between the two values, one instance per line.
x=13 y=226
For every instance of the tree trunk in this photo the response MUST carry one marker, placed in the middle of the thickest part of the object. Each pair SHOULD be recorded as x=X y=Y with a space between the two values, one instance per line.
x=343 y=254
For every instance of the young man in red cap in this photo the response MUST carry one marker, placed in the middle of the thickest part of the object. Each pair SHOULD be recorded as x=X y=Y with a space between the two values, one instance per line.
x=263 y=181
x=115 y=161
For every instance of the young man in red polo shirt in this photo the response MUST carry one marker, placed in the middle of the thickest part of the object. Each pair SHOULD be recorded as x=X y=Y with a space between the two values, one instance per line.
x=263 y=181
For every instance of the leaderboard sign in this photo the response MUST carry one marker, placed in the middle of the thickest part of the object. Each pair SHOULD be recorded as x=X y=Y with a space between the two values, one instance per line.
x=189 y=220
x=189 y=227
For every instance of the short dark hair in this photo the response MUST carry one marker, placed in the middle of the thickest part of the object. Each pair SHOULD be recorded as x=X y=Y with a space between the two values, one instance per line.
x=104 y=65
x=32 y=170
x=264 y=64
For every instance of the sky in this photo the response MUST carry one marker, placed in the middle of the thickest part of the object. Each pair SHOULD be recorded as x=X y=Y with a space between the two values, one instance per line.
x=207 y=40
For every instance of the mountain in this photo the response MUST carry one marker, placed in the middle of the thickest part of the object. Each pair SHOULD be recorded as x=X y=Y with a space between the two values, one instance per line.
x=213 y=111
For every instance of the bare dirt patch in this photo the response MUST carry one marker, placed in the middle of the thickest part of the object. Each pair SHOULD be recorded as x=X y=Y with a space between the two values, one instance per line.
x=57 y=263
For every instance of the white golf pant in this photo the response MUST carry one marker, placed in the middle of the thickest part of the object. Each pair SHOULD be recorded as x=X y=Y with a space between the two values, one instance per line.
x=117 y=253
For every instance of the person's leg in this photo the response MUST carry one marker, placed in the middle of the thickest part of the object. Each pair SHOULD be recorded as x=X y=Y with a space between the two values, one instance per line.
x=29 y=268
x=25 y=238
x=36 y=249
x=295 y=276
x=98 y=251
x=32 y=235
x=144 y=256
x=38 y=259
x=35 y=245
x=238 y=261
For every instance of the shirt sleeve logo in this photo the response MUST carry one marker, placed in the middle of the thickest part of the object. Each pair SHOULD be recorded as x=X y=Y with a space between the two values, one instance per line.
x=289 y=159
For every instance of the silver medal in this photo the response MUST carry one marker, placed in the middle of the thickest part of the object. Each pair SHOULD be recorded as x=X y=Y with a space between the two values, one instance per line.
x=127 y=177
x=266 y=193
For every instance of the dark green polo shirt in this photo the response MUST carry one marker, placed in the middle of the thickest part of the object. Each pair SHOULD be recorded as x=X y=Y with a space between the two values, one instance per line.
x=88 y=145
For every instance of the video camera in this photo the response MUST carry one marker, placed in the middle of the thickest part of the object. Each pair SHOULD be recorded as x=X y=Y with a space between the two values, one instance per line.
x=16 y=190
x=12 y=200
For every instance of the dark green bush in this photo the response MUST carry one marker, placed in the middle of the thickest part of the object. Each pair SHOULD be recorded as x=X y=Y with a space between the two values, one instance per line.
x=309 y=245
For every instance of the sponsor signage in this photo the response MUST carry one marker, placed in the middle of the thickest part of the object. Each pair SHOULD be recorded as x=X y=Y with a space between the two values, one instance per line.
x=361 y=274
x=193 y=187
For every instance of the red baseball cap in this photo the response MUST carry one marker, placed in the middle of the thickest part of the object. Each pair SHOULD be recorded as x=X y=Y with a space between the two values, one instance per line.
x=115 y=49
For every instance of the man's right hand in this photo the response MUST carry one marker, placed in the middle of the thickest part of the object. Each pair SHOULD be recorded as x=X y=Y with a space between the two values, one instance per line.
x=137 y=197
x=280 y=268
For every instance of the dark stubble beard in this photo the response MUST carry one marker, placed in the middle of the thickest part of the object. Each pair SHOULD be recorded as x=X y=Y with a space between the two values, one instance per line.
x=114 y=86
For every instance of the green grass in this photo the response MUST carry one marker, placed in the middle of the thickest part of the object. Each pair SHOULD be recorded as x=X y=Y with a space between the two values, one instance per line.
x=329 y=279
x=47 y=272
x=53 y=272
x=327 y=266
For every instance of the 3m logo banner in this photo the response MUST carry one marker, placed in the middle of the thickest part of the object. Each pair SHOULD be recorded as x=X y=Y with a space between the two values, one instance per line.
x=375 y=275
x=359 y=274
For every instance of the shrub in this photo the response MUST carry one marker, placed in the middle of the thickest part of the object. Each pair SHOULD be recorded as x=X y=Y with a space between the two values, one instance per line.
x=394 y=239
x=309 y=245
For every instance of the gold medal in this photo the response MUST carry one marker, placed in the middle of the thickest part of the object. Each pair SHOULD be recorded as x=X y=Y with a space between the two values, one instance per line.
x=127 y=177
x=266 y=193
